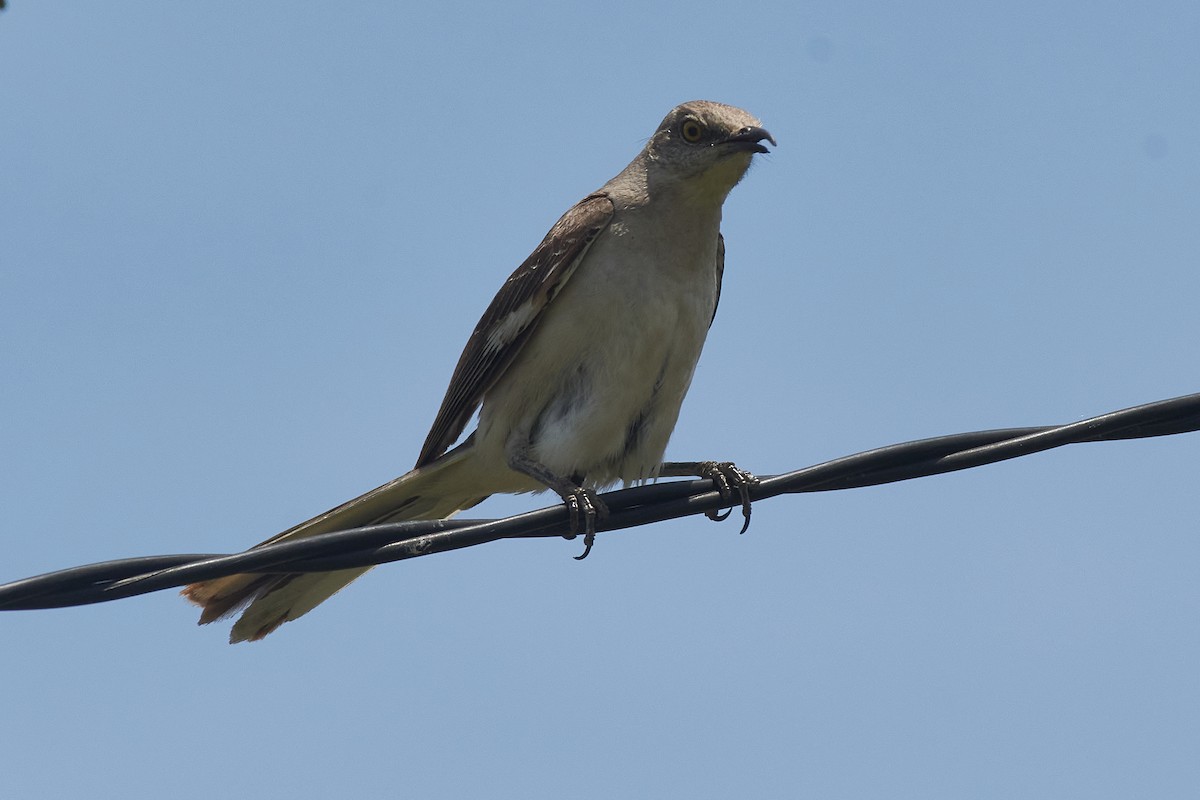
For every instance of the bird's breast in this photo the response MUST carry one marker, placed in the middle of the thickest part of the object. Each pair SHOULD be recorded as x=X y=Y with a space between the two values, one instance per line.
x=597 y=388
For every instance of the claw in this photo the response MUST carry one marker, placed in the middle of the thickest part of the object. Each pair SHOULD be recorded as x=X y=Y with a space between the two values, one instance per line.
x=718 y=515
x=588 y=541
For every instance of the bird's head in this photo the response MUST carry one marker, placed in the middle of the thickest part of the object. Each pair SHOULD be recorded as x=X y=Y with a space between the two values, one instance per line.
x=707 y=145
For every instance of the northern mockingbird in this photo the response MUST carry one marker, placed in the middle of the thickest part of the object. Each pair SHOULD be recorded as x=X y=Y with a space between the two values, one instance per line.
x=578 y=367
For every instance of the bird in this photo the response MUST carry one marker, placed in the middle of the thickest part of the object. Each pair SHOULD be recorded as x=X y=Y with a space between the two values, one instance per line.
x=578 y=367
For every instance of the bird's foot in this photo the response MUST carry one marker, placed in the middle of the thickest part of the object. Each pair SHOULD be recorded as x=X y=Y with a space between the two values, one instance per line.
x=585 y=508
x=728 y=479
x=583 y=505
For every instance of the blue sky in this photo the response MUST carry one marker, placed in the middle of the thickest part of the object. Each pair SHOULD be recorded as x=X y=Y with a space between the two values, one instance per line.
x=242 y=245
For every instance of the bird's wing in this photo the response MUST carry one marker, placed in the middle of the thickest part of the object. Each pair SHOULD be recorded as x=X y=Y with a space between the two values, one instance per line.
x=512 y=317
x=720 y=274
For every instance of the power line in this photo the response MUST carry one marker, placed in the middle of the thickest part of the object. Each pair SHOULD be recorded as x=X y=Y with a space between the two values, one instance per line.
x=642 y=505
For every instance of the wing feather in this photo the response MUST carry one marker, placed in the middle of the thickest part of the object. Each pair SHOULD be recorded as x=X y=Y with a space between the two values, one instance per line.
x=720 y=274
x=512 y=317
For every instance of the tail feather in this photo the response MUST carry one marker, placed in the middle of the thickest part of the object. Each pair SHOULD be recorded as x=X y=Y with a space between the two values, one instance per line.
x=435 y=491
x=221 y=597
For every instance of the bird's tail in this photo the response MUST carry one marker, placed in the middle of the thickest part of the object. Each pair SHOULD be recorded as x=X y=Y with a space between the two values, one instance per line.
x=435 y=491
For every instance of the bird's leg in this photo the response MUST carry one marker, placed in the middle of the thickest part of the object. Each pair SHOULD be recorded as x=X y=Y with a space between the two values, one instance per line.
x=727 y=478
x=581 y=503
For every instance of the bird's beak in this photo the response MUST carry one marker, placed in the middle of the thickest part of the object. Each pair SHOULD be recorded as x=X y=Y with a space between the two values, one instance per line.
x=750 y=138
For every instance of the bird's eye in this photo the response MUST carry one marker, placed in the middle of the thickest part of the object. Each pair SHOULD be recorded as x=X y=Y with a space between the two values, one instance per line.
x=691 y=130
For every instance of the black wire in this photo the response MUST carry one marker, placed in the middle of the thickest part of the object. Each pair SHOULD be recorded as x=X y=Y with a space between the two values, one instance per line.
x=379 y=544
